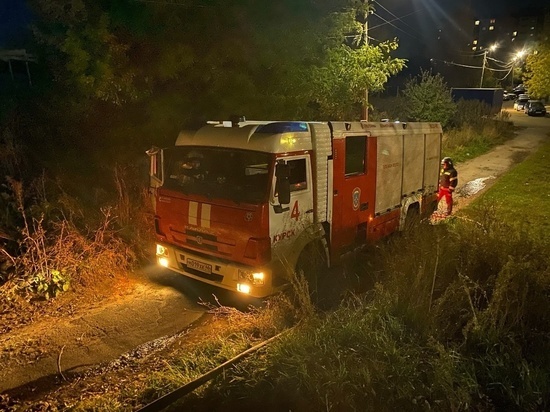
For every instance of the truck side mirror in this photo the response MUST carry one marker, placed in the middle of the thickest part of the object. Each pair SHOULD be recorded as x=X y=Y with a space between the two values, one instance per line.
x=156 y=160
x=282 y=183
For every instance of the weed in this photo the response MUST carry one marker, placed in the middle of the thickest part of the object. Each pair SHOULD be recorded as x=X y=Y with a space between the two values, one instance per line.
x=52 y=254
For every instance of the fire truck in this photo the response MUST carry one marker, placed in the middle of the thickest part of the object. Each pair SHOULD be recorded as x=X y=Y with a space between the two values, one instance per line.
x=245 y=205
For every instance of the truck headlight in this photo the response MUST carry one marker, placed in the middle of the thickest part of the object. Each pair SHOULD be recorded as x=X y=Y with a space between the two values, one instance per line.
x=163 y=261
x=161 y=250
x=256 y=278
x=243 y=287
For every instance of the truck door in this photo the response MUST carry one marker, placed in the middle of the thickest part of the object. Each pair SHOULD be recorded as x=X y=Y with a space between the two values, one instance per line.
x=353 y=183
x=287 y=221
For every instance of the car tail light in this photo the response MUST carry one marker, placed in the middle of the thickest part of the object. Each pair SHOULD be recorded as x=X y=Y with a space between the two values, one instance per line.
x=258 y=249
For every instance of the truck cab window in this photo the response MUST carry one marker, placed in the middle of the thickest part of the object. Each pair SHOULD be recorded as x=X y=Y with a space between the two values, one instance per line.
x=298 y=174
x=231 y=174
x=356 y=147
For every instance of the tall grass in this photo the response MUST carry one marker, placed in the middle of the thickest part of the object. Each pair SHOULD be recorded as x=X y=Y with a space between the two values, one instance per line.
x=54 y=248
x=456 y=322
x=475 y=131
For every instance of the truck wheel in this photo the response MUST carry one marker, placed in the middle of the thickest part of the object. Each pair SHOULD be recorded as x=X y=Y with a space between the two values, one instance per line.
x=311 y=268
x=413 y=218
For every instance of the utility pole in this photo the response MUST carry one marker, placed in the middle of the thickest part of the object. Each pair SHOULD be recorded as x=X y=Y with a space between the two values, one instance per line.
x=483 y=68
x=492 y=48
x=366 y=105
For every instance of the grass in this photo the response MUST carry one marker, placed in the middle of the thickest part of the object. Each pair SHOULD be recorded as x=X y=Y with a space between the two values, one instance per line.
x=475 y=138
x=522 y=196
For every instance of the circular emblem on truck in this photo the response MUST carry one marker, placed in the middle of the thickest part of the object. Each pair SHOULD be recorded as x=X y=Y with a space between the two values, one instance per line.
x=356 y=197
x=199 y=240
x=248 y=217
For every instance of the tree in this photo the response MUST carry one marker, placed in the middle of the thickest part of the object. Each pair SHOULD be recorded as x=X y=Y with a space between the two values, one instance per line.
x=290 y=58
x=537 y=74
x=82 y=51
x=429 y=99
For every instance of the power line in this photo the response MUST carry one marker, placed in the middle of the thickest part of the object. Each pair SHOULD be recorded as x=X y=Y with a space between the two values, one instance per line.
x=396 y=19
x=393 y=25
x=470 y=67
x=393 y=15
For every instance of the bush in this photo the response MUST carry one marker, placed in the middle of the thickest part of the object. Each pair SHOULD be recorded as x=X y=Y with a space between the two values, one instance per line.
x=55 y=249
x=428 y=99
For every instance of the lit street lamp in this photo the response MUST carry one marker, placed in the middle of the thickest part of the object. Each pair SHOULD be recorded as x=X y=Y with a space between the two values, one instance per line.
x=492 y=48
x=517 y=57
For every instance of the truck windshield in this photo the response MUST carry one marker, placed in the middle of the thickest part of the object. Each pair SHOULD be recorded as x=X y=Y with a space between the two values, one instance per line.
x=218 y=173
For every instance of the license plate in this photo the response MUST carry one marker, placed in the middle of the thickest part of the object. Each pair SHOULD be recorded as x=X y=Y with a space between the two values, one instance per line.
x=201 y=267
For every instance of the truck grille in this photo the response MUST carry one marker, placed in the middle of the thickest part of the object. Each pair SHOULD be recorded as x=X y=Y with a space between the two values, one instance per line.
x=207 y=242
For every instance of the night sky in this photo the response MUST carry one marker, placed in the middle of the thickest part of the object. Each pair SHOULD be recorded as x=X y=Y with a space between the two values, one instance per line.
x=409 y=19
x=413 y=22
x=14 y=16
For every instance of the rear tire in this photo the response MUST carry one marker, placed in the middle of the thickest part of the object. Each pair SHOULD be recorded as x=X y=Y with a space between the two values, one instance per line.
x=412 y=220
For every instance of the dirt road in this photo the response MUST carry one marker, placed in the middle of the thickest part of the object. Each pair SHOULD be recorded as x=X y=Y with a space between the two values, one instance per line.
x=160 y=304
x=478 y=174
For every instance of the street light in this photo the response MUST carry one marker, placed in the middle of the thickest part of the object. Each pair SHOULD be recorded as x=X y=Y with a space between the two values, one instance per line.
x=492 y=48
x=517 y=57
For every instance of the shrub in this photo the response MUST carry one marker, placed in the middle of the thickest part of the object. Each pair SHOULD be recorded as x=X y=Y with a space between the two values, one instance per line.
x=428 y=99
x=54 y=250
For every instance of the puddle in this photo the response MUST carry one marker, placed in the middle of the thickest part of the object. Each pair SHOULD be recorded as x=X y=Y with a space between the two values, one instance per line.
x=473 y=186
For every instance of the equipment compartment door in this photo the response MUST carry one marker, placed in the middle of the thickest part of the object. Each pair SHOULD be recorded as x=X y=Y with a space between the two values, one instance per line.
x=353 y=189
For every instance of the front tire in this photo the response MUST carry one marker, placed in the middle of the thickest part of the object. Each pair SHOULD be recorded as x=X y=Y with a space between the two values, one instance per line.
x=311 y=268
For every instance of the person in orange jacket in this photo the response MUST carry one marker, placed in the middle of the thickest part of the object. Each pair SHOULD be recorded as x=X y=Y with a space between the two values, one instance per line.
x=448 y=179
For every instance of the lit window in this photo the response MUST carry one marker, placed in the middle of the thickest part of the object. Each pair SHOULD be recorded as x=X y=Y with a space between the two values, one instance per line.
x=475 y=41
x=477 y=23
x=492 y=21
x=474 y=48
x=515 y=33
x=491 y=27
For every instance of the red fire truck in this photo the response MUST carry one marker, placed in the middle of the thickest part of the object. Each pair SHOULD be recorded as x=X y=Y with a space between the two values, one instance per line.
x=244 y=205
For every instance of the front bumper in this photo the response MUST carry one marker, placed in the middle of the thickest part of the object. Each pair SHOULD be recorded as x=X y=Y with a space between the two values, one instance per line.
x=254 y=282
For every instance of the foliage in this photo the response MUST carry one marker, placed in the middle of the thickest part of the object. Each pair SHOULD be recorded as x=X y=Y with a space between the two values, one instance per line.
x=429 y=99
x=268 y=60
x=340 y=85
x=475 y=134
x=390 y=108
x=49 y=285
x=84 y=55
x=537 y=74
x=51 y=252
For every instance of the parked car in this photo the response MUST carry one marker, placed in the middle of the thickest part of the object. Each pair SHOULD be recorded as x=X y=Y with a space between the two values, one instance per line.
x=520 y=89
x=509 y=96
x=536 y=108
x=519 y=104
